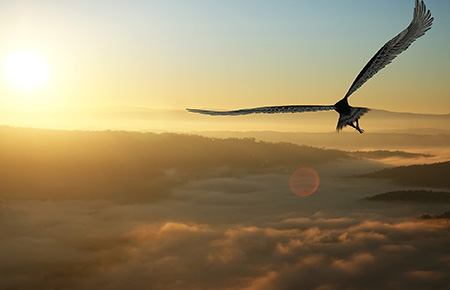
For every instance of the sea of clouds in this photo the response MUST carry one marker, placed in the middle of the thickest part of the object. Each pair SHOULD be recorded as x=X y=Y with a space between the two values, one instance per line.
x=247 y=232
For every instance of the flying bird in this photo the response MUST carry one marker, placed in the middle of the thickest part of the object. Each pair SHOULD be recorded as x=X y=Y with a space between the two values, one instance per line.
x=348 y=115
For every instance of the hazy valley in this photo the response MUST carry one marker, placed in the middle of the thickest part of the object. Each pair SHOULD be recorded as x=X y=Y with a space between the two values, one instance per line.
x=114 y=209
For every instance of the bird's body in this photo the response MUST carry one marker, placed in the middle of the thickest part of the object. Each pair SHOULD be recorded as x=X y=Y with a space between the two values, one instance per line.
x=348 y=115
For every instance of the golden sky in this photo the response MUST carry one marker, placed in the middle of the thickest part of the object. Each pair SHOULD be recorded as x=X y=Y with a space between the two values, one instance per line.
x=212 y=54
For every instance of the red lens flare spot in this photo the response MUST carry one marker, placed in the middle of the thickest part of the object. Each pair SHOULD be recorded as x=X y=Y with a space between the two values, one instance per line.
x=304 y=181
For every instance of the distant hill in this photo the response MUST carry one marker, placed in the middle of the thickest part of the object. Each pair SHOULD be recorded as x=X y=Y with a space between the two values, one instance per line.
x=423 y=196
x=131 y=166
x=343 y=140
x=382 y=154
x=430 y=175
x=445 y=216
x=179 y=120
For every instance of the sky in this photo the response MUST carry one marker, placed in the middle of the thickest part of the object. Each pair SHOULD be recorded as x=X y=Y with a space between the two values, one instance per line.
x=221 y=55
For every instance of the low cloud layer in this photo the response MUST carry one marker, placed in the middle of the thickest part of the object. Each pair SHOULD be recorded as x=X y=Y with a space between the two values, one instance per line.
x=107 y=249
x=246 y=233
x=225 y=225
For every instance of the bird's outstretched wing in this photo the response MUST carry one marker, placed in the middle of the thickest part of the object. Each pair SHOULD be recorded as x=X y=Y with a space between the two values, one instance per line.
x=265 y=110
x=420 y=24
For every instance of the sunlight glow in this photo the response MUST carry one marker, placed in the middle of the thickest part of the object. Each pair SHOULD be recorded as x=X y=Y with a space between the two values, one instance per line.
x=26 y=70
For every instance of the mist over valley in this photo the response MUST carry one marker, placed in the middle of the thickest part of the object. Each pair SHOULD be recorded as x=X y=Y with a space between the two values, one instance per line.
x=114 y=209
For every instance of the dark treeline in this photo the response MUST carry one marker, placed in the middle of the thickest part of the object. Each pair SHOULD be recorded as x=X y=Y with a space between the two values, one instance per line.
x=429 y=175
x=445 y=215
x=381 y=154
x=413 y=195
x=132 y=166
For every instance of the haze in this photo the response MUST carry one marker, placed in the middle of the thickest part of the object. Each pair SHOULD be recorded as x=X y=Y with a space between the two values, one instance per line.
x=178 y=54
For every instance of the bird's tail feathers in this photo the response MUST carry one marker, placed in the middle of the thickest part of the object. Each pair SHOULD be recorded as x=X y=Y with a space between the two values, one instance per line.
x=353 y=116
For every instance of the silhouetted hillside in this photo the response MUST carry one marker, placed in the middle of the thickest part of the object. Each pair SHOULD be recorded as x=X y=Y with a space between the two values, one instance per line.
x=346 y=140
x=382 y=154
x=412 y=195
x=430 y=175
x=131 y=166
x=445 y=215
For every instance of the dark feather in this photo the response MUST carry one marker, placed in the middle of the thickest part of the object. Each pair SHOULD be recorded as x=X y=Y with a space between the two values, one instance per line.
x=420 y=24
x=265 y=110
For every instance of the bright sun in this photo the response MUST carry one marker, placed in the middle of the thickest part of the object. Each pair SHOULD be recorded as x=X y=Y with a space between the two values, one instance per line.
x=26 y=70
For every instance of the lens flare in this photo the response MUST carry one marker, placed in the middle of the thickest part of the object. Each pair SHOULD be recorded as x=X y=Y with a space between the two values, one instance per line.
x=304 y=181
